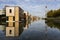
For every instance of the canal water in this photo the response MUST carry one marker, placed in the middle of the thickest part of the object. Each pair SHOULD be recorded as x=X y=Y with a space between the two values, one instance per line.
x=38 y=30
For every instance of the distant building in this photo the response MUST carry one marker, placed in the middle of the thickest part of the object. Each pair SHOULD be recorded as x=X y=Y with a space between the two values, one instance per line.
x=26 y=15
x=26 y=18
x=13 y=19
x=1 y=12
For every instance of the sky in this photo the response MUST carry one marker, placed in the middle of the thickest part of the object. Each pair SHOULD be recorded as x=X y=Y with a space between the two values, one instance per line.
x=34 y=7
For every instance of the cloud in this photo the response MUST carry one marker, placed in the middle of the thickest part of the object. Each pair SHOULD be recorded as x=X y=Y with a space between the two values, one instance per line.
x=37 y=10
x=27 y=0
x=7 y=2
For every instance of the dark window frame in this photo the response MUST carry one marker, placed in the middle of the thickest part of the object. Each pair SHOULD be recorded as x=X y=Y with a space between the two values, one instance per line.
x=10 y=31
x=10 y=10
x=13 y=18
x=13 y=24
x=6 y=18
x=7 y=24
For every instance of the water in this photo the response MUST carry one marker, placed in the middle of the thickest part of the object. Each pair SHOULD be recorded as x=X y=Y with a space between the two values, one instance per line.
x=39 y=30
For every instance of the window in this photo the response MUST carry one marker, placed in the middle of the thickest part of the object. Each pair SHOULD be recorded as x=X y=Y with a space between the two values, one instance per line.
x=14 y=24
x=10 y=11
x=6 y=23
x=10 y=32
x=6 y=18
x=13 y=18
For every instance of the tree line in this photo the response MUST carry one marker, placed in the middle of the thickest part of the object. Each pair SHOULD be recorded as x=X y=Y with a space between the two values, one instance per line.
x=53 y=13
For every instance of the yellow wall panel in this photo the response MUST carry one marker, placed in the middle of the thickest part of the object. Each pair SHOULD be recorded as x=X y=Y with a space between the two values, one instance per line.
x=10 y=18
x=17 y=28
x=16 y=13
x=10 y=24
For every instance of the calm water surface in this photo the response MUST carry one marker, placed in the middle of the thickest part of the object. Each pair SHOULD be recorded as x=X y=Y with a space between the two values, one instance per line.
x=38 y=30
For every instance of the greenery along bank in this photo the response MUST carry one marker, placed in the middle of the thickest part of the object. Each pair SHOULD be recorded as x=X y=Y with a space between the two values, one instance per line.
x=53 y=13
x=53 y=18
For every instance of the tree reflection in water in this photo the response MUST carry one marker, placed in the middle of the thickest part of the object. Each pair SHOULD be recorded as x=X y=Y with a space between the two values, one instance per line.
x=53 y=23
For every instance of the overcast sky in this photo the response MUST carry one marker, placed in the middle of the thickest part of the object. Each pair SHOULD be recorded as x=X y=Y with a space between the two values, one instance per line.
x=34 y=7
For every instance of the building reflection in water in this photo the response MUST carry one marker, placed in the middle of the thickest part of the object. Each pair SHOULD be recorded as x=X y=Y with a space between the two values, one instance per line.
x=22 y=26
x=26 y=25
